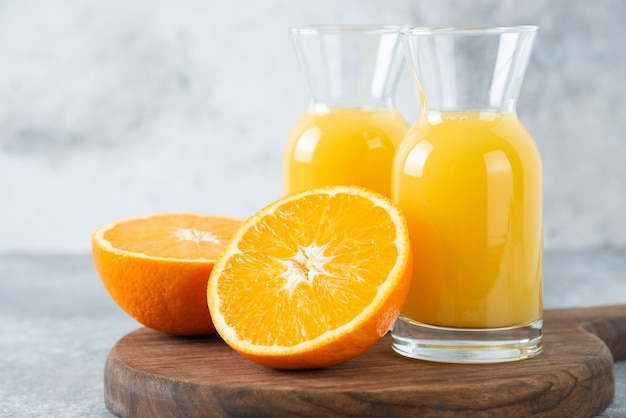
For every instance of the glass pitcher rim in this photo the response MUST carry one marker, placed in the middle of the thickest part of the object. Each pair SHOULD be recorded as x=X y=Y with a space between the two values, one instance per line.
x=332 y=29
x=467 y=30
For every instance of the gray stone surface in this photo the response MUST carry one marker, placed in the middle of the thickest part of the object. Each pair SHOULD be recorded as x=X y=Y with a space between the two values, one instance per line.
x=57 y=325
x=115 y=108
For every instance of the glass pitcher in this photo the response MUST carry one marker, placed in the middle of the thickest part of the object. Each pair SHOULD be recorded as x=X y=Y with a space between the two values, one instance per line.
x=350 y=131
x=468 y=177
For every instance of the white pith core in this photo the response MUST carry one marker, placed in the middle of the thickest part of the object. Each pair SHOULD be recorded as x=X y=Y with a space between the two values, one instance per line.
x=195 y=235
x=308 y=263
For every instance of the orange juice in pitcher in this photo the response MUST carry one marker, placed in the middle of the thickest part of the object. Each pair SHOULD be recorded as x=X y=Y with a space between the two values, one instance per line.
x=478 y=225
x=350 y=132
x=343 y=146
x=468 y=177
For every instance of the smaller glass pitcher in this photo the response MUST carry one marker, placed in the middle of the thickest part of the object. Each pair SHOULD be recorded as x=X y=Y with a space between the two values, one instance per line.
x=350 y=131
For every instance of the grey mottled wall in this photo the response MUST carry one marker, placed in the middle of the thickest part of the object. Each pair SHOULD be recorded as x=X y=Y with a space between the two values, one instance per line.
x=115 y=108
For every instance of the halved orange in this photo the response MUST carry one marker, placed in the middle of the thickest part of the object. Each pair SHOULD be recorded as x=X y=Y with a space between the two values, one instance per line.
x=313 y=279
x=156 y=267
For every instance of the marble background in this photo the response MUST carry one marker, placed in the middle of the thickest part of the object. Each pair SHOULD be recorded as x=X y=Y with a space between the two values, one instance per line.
x=115 y=108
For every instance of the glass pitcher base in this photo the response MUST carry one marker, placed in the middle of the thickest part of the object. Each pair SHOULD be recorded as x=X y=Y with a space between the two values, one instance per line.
x=463 y=345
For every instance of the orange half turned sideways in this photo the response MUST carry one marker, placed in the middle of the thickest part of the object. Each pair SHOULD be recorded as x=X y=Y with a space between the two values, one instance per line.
x=156 y=267
x=313 y=279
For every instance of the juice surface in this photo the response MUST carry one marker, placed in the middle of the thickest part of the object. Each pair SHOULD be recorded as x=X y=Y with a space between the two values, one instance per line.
x=343 y=146
x=470 y=185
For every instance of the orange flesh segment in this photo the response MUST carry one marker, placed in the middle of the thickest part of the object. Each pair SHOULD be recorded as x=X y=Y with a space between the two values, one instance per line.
x=307 y=270
x=183 y=236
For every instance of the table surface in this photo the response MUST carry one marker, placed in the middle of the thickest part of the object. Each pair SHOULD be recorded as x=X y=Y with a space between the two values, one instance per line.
x=58 y=324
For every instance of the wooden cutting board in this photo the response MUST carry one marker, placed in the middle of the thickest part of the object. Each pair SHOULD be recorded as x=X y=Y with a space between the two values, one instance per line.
x=151 y=374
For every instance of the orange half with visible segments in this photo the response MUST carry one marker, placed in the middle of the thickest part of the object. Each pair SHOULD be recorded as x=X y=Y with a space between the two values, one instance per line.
x=156 y=267
x=313 y=279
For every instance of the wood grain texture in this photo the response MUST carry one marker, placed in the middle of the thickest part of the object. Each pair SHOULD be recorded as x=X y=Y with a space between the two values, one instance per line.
x=152 y=374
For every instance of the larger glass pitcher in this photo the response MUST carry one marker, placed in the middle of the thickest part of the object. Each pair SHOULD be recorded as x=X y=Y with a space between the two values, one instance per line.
x=468 y=177
x=350 y=131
